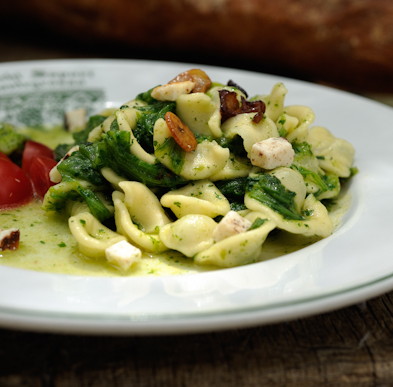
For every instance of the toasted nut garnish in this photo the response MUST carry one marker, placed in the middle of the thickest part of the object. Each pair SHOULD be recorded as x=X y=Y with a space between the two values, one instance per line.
x=9 y=239
x=198 y=76
x=230 y=106
x=171 y=91
x=180 y=132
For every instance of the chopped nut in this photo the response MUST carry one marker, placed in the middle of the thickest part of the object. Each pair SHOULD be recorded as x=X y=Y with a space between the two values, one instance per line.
x=9 y=239
x=199 y=77
x=171 y=91
x=180 y=132
x=234 y=84
x=230 y=106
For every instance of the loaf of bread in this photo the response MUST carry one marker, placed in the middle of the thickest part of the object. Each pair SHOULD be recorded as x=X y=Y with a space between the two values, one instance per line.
x=347 y=43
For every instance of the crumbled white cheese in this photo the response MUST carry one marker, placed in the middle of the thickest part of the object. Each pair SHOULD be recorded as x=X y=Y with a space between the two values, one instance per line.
x=54 y=174
x=123 y=254
x=171 y=91
x=75 y=120
x=272 y=153
x=231 y=224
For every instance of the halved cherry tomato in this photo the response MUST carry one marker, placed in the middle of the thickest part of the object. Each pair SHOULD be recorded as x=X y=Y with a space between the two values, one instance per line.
x=3 y=156
x=15 y=186
x=31 y=151
x=39 y=174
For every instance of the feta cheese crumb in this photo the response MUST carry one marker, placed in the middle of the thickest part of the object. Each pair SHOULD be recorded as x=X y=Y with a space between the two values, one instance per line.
x=272 y=153
x=171 y=91
x=231 y=224
x=123 y=254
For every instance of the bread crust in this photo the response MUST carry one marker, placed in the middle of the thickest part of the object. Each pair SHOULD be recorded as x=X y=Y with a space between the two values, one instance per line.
x=348 y=43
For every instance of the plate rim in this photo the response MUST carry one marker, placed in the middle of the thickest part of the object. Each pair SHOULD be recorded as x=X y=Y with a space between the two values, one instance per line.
x=355 y=294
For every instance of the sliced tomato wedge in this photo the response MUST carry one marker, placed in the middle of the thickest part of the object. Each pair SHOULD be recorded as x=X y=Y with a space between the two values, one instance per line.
x=39 y=174
x=15 y=186
x=31 y=151
x=3 y=156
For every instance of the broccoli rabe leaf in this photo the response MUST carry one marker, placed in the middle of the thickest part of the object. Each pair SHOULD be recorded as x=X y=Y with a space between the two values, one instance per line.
x=234 y=191
x=73 y=190
x=95 y=204
x=145 y=124
x=269 y=190
x=57 y=196
x=146 y=96
x=81 y=180
x=172 y=149
x=114 y=125
x=324 y=182
x=10 y=140
x=81 y=136
x=237 y=206
x=265 y=188
x=80 y=166
x=96 y=153
x=235 y=145
x=307 y=164
x=258 y=222
x=302 y=149
x=121 y=160
x=61 y=150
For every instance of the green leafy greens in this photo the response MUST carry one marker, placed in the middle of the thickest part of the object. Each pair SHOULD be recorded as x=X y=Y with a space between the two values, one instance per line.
x=265 y=188
x=268 y=190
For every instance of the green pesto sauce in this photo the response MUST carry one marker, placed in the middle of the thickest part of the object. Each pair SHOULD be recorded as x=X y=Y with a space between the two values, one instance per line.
x=51 y=137
x=46 y=245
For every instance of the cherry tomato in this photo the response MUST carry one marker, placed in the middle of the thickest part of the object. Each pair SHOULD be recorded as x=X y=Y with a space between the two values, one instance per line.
x=15 y=186
x=3 y=156
x=31 y=151
x=39 y=174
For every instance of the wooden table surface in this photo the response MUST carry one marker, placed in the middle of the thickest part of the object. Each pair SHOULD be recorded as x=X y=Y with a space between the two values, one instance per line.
x=351 y=346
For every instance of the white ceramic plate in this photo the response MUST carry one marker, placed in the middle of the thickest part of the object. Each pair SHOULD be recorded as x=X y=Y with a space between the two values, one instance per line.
x=354 y=264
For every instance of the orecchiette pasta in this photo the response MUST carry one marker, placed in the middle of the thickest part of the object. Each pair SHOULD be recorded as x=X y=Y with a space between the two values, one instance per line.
x=236 y=250
x=93 y=237
x=243 y=126
x=196 y=110
x=304 y=116
x=315 y=220
x=189 y=234
x=202 y=198
x=201 y=169
x=143 y=206
x=208 y=158
x=335 y=155
x=275 y=101
x=126 y=226
x=126 y=119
